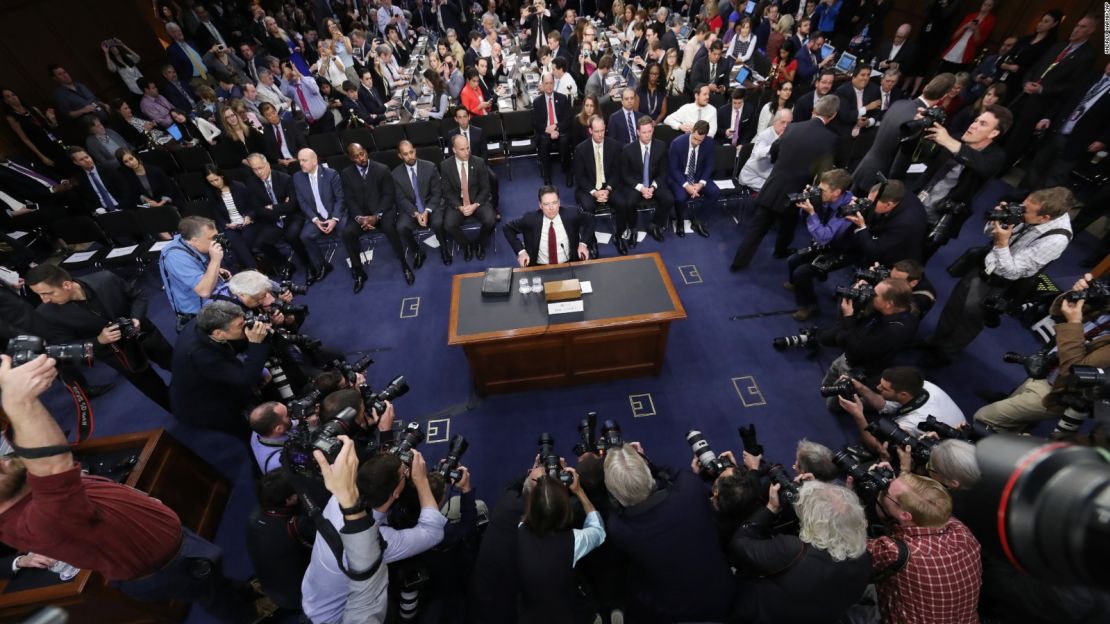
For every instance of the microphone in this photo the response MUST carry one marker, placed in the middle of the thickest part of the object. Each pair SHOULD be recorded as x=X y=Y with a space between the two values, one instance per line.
x=570 y=261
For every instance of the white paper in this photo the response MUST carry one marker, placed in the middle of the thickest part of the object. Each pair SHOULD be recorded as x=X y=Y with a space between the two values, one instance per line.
x=159 y=245
x=122 y=251
x=724 y=185
x=18 y=234
x=80 y=256
x=640 y=236
x=522 y=143
x=493 y=146
x=586 y=287
x=603 y=237
x=432 y=242
x=686 y=227
x=367 y=257
x=565 y=307
x=917 y=168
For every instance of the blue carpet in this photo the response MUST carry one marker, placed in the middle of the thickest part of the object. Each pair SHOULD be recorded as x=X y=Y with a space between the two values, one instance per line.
x=719 y=373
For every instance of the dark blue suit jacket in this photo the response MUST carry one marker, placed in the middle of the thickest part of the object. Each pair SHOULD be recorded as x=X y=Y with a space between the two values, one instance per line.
x=244 y=203
x=677 y=156
x=617 y=129
x=331 y=194
x=180 y=61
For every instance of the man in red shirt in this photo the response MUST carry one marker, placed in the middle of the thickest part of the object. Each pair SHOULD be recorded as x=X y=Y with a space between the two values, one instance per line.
x=940 y=580
x=48 y=506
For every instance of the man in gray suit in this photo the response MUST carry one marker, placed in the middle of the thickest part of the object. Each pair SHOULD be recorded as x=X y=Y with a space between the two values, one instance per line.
x=466 y=194
x=419 y=200
x=595 y=85
x=888 y=140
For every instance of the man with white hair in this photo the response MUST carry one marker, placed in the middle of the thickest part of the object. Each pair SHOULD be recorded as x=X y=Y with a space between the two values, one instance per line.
x=269 y=92
x=758 y=167
x=186 y=59
x=319 y=193
x=897 y=52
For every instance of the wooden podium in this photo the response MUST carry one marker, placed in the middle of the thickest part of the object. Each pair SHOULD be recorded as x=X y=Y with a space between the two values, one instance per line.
x=166 y=470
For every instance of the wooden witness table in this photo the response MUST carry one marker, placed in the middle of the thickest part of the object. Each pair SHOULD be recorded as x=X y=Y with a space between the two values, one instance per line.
x=512 y=344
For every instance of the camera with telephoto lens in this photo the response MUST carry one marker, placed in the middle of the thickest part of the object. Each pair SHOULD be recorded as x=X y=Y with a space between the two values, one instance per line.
x=859 y=294
x=23 y=349
x=301 y=408
x=289 y=309
x=806 y=337
x=551 y=462
x=252 y=317
x=586 y=434
x=326 y=437
x=350 y=371
x=1091 y=380
x=221 y=240
x=749 y=441
x=872 y=276
x=411 y=437
x=303 y=341
x=812 y=194
x=788 y=489
x=1037 y=364
x=1095 y=297
x=449 y=466
x=888 y=431
x=375 y=401
x=868 y=484
x=711 y=465
x=288 y=286
x=843 y=387
x=949 y=212
x=610 y=436
x=932 y=115
x=972 y=432
x=1007 y=213
x=859 y=205
x=127 y=329
x=994 y=306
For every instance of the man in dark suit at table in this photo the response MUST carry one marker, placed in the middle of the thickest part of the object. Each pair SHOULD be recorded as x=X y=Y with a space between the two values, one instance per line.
x=594 y=179
x=284 y=138
x=370 y=100
x=551 y=234
x=643 y=177
x=551 y=123
x=737 y=119
x=804 y=151
x=803 y=105
x=368 y=192
x=479 y=148
x=319 y=193
x=690 y=176
x=419 y=202
x=272 y=191
x=466 y=194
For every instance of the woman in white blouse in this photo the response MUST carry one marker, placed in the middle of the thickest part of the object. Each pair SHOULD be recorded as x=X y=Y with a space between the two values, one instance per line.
x=673 y=74
x=741 y=45
x=784 y=98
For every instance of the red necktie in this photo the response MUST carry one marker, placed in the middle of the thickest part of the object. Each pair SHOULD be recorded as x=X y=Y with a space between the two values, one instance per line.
x=304 y=103
x=552 y=246
x=550 y=111
x=1063 y=53
x=277 y=135
x=464 y=181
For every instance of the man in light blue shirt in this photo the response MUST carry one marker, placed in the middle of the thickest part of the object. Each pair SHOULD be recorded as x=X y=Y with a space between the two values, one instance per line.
x=190 y=267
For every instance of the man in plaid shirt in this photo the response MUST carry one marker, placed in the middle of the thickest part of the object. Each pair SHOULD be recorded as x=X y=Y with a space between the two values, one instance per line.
x=939 y=580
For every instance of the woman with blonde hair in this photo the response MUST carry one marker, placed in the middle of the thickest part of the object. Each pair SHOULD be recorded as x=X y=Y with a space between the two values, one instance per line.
x=780 y=30
x=674 y=76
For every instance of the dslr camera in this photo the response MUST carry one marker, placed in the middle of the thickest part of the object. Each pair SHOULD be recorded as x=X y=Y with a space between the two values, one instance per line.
x=1095 y=297
x=788 y=489
x=221 y=239
x=449 y=466
x=551 y=462
x=1037 y=364
x=859 y=294
x=350 y=371
x=811 y=193
x=806 y=337
x=868 y=484
x=949 y=212
x=252 y=317
x=288 y=286
x=711 y=465
x=127 y=329
x=586 y=429
x=972 y=432
x=872 y=275
x=888 y=431
x=858 y=205
x=932 y=115
x=23 y=349
x=843 y=387
x=1007 y=213
x=411 y=437
x=375 y=401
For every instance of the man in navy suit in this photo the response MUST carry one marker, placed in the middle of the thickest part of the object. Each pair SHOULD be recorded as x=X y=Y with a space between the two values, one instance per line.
x=690 y=176
x=320 y=195
x=594 y=184
x=737 y=120
x=479 y=148
x=551 y=234
x=178 y=92
x=184 y=57
x=100 y=189
x=272 y=191
x=622 y=124
x=283 y=137
x=642 y=180
x=551 y=123
x=1079 y=129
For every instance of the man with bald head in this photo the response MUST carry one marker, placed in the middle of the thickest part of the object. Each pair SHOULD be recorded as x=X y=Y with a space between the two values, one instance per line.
x=319 y=193
x=896 y=52
x=419 y=202
x=466 y=195
x=369 y=197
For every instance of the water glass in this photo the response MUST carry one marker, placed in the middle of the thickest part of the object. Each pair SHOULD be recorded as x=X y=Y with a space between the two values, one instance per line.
x=524 y=287
x=537 y=285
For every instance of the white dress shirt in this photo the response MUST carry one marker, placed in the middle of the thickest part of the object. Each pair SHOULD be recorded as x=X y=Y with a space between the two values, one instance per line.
x=758 y=167
x=691 y=113
x=561 y=241
x=567 y=86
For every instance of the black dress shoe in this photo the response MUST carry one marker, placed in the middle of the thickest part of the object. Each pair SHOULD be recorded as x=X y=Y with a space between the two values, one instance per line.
x=622 y=247
x=782 y=253
x=314 y=276
x=287 y=271
x=468 y=252
x=680 y=228
x=324 y=272
x=409 y=277
x=656 y=232
x=445 y=253
x=480 y=251
x=419 y=260
x=633 y=239
x=100 y=390
x=570 y=180
x=360 y=281
x=699 y=229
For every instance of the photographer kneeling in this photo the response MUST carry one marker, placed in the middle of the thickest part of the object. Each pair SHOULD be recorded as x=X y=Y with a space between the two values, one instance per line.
x=815 y=576
x=829 y=230
x=1083 y=339
x=254 y=291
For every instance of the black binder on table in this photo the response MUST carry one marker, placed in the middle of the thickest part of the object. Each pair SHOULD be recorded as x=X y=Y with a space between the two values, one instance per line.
x=498 y=282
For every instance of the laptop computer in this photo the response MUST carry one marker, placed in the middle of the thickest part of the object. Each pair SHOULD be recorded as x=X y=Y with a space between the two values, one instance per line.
x=846 y=63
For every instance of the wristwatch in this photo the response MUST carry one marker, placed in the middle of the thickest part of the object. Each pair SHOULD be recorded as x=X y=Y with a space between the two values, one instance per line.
x=359 y=507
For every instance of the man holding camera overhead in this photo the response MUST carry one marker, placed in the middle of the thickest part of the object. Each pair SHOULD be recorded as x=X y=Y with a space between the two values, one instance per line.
x=1004 y=271
x=103 y=309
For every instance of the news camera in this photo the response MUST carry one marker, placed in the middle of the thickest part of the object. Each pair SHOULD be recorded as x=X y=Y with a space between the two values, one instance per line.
x=551 y=462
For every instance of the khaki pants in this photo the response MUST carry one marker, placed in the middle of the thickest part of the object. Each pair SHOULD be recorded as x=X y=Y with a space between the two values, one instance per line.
x=1023 y=407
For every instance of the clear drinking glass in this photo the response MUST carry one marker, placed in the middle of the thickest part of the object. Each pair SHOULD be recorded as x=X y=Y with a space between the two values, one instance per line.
x=537 y=285
x=64 y=570
x=524 y=287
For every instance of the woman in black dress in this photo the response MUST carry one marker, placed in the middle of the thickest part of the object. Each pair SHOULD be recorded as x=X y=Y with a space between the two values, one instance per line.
x=36 y=131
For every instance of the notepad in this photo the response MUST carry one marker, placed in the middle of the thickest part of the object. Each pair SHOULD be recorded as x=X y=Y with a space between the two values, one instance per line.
x=122 y=251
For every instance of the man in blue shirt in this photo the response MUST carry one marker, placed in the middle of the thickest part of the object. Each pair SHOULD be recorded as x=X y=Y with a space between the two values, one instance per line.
x=190 y=266
x=829 y=231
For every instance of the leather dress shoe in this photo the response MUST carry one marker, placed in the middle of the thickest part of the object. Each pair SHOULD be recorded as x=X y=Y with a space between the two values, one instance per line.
x=680 y=228
x=445 y=253
x=633 y=239
x=782 y=253
x=656 y=232
x=468 y=252
x=480 y=250
x=805 y=313
x=99 y=390
x=324 y=272
x=419 y=260
x=622 y=247
x=288 y=270
x=409 y=277
x=699 y=229
x=360 y=281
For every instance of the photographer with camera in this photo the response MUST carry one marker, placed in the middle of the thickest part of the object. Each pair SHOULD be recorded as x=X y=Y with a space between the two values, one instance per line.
x=254 y=291
x=1083 y=339
x=924 y=293
x=270 y=424
x=895 y=228
x=50 y=507
x=190 y=267
x=381 y=479
x=928 y=568
x=371 y=430
x=904 y=396
x=211 y=387
x=103 y=309
x=829 y=229
x=870 y=341
x=279 y=540
x=815 y=576
x=1007 y=270
x=736 y=491
x=643 y=527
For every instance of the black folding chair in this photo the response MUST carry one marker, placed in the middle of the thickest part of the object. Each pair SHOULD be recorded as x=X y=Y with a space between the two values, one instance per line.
x=362 y=136
x=325 y=145
x=76 y=231
x=129 y=240
x=339 y=162
x=424 y=133
x=154 y=221
x=161 y=159
x=389 y=158
x=192 y=158
x=192 y=185
x=388 y=137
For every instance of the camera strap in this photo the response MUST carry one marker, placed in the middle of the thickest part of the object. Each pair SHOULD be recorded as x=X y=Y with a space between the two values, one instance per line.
x=914 y=404
x=899 y=563
x=40 y=452
x=83 y=411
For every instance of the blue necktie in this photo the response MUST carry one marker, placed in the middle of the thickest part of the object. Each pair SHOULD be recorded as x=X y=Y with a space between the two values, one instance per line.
x=416 y=191
x=690 y=166
x=647 y=161
x=270 y=192
x=106 y=198
x=631 y=134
